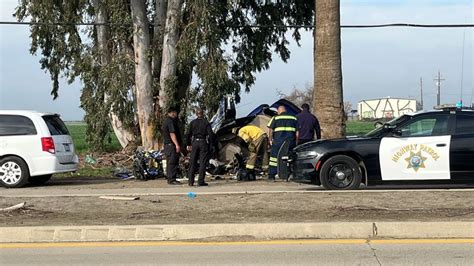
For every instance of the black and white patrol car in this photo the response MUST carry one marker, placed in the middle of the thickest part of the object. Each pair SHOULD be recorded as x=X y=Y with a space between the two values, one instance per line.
x=426 y=146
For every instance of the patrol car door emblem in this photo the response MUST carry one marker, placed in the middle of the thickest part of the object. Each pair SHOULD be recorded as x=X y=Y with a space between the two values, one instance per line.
x=416 y=161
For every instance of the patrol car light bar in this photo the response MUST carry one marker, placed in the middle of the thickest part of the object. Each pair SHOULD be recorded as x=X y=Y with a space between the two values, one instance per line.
x=448 y=107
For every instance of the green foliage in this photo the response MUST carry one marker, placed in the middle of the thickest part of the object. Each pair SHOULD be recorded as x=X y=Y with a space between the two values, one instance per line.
x=79 y=132
x=218 y=46
x=227 y=49
x=92 y=101
x=106 y=87
x=358 y=127
x=60 y=45
x=253 y=47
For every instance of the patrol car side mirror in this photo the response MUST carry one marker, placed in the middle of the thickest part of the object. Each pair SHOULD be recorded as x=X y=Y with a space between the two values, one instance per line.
x=378 y=124
x=388 y=127
x=397 y=133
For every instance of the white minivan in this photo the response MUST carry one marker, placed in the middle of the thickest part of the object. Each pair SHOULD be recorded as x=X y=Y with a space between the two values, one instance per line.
x=33 y=147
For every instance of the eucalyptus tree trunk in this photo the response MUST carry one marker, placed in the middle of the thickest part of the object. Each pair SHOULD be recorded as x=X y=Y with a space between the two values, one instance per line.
x=161 y=6
x=124 y=135
x=143 y=74
x=327 y=95
x=170 y=43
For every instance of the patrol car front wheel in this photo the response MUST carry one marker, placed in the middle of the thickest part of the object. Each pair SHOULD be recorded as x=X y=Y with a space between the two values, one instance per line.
x=340 y=172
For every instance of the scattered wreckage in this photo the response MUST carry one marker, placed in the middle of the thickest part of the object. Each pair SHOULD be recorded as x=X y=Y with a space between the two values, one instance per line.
x=231 y=150
x=225 y=125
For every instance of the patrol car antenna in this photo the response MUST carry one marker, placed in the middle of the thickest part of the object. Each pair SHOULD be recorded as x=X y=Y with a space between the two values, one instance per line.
x=462 y=63
x=421 y=92
x=472 y=94
x=438 y=91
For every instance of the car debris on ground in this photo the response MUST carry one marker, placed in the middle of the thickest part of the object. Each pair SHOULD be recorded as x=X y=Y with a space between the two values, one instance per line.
x=14 y=207
x=231 y=151
x=119 y=198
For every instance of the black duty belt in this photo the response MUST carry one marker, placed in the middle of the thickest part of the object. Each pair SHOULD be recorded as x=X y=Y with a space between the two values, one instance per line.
x=198 y=139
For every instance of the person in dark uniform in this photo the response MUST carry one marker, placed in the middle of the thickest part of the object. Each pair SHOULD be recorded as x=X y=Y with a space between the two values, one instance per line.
x=308 y=126
x=198 y=138
x=172 y=141
x=283 y=127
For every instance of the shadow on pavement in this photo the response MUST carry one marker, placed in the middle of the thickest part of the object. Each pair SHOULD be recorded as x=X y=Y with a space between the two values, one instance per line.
x=55 y=182
x=404 y=187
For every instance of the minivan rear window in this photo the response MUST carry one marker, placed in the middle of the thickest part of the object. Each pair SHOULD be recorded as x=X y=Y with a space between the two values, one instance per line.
x=55 y=125
x=14 y=125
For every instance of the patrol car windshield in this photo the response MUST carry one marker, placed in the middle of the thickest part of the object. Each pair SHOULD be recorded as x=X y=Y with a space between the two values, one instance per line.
x=377 y=131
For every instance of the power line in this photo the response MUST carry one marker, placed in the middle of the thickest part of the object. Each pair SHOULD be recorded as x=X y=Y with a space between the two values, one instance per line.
x=410 y=25
x=29 y=23
x=249 y=26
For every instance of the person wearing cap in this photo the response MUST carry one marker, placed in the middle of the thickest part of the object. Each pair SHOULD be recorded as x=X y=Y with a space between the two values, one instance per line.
x=283 y=127
x=172 y=149
x=257 y=141
x=308 y=125
x=198 y=138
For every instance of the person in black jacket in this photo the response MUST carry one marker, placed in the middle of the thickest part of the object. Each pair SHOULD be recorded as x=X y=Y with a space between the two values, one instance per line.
x=172 y=141
x=308 y=125
x=198 y=138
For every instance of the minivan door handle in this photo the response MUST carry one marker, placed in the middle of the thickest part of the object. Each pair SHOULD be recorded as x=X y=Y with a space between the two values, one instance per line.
x=441 y=145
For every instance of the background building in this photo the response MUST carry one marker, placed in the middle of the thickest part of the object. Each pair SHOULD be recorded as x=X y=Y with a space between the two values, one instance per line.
x=385 y=108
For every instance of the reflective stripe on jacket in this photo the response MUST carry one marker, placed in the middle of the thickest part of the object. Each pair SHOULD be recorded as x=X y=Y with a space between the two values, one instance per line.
x=284 y=127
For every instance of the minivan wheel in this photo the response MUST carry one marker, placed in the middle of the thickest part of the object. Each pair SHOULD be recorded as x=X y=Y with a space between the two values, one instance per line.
x=13 y=172
x=341 y=173
x=39 y=180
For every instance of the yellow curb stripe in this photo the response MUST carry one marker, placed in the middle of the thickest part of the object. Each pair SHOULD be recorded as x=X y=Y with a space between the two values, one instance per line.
x=244 y=243
x=424 y=241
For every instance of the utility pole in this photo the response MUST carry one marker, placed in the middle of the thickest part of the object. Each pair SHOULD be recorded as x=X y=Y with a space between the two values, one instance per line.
x=421 y=93
x=438 y=84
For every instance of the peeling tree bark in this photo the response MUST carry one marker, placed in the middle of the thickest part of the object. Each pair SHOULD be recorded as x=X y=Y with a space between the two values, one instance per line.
x=170 y=43
x=124 y=136
x=161 y=6
x=143 y=74
x=158 y=32
x=328 y=96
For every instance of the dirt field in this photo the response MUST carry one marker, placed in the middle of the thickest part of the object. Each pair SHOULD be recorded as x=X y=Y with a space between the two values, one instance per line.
x=251 y=208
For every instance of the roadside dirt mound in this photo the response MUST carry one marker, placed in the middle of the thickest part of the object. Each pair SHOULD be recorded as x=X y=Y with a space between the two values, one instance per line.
x=255 y=208
x=106 y=159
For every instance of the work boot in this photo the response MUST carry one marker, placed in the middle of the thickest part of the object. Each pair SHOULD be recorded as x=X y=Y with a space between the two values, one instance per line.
x=251 y=174
x=174 y=182
x=203 y=184
x=271 y=178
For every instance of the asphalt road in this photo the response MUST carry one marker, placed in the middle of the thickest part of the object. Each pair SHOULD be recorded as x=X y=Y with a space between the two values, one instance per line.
x=285 y=252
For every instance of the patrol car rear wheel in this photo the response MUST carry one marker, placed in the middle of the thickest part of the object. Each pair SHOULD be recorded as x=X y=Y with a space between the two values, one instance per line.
x=340 y=172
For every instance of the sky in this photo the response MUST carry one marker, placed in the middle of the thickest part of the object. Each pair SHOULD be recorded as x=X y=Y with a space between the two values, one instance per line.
x=376 y=62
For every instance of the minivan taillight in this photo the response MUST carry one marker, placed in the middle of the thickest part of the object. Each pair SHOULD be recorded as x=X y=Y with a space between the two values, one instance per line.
x=48 y=145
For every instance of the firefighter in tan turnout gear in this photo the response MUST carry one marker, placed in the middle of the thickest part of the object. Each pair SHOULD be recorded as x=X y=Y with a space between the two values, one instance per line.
x=257 y=140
